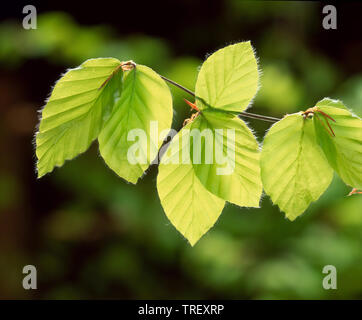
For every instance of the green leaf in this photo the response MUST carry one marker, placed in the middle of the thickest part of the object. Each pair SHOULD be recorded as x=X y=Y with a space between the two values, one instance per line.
x=228 y=79
x=145 y=98
x=72 y=117
x=344 y=150
x=294 y=169
x=188 y=205
x=227 y=162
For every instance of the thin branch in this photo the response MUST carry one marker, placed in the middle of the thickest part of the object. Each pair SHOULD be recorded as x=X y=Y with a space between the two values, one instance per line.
x=178 y=86
x=258 y=116
x=242 y=114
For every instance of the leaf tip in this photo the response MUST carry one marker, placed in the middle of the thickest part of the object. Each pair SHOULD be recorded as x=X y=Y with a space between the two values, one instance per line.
x=40 y=174
x=193 y=239
x=192 y=242
x=291 y=217
x=132 y=180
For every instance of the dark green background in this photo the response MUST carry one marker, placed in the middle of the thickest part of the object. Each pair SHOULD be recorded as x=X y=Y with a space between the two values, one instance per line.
x=92 y=235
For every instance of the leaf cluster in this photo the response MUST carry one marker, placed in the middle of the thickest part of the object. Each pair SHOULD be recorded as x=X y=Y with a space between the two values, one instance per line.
x=119 y=102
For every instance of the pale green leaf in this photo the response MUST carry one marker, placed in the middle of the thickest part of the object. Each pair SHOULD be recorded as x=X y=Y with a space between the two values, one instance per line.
x=228 y=163
x=145 y=98
x=344 y=150
x=188 y=205
x=73 y=115
x=294 y=169
x=228 y=79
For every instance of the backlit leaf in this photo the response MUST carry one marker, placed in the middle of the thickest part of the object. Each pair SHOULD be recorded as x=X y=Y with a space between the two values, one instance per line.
x=191 y=208
x=294 y=169
x=140 y=115
x=344 y=150
x=73 y=115
x=228 y=79
x=228 y=163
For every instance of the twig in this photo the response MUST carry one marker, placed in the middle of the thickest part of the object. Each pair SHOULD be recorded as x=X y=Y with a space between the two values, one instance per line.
x=178 y=86
x=258 y=116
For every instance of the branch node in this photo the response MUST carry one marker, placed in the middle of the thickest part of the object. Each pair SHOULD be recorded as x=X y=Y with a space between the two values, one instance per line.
x=127 y=65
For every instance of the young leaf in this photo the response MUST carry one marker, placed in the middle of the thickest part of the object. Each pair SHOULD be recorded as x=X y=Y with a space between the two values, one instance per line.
x=145 y=98
x=188 y=205
x=72 y=117
x=228 y=79
x=344 y=149
x=228 y=163
x=294 y=169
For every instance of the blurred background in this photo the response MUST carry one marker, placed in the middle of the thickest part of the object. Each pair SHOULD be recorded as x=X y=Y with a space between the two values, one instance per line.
x=92 y=235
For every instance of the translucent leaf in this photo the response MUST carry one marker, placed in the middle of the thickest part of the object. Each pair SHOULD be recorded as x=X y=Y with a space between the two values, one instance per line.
x=72 y=117
x=344 y=149
x=228 y=161
x=129 y=140
x=294 y=169
x=188 y=205
x=228 y=79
